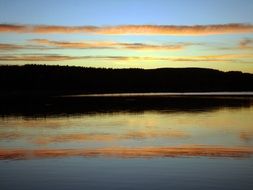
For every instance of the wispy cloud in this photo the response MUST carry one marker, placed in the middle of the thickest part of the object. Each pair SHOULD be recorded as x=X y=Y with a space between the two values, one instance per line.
x=133 y=29
x=14 y=47
x=44 y=44
x=246 y=43
x=7 y=47
x=127 y=152
x=44 y=29
x=75 y=45
x=37 y=58
x=56 y=57
x=112 y=45
x=243 y=44
x=214 y=58
x=143 y=46
x=178 y=30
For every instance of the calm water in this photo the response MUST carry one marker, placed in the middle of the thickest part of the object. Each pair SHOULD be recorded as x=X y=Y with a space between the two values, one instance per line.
x=164 y=94
x=209 y=148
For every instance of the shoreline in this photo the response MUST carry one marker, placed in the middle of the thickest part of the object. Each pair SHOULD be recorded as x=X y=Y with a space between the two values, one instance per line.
x=57 y=105
x=227 y=93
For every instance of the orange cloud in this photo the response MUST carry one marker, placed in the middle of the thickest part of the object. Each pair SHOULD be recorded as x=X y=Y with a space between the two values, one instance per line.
x=13 y=47
x=178 y=30
x=7 y=47
x=127 y=152
x=55 y=57
x=44 y=29
x=76 y=45
x=13 y=28
x=36 y=58
x=133 y=29
x=44 y=44
x=115 y=45
x=142 y=46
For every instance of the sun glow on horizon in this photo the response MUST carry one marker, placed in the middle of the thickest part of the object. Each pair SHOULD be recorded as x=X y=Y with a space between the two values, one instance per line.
x=93 y=39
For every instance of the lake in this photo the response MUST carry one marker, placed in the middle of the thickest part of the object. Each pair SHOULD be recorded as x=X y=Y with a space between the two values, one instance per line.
x=200 y=142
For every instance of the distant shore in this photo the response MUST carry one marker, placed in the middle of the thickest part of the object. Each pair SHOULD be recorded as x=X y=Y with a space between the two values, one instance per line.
x=164 y=94
x=42 y=80
x=33 y=106
x=40 y=89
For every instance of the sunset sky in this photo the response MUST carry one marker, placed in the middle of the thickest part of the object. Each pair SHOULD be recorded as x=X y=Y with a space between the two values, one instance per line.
x=128 y=33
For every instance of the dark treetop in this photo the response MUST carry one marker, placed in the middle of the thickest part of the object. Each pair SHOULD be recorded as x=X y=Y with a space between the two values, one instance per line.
x=44 y=79
x=37 y=89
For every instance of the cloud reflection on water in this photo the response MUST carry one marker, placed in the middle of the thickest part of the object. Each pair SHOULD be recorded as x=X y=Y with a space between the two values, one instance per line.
x=225 y=131
x=127 y=152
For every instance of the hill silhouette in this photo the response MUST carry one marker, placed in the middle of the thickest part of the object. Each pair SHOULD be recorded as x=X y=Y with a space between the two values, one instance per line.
x=37 y=89
x=44 y=79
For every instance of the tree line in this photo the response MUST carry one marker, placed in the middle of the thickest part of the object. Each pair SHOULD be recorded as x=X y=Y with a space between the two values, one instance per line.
x=72 y=79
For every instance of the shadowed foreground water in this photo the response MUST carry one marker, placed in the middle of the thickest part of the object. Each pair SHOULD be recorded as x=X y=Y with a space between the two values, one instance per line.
x=160 y=145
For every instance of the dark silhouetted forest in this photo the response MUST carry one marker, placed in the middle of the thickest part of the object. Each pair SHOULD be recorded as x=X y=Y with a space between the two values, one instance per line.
x=72 y=80
x=38 y=89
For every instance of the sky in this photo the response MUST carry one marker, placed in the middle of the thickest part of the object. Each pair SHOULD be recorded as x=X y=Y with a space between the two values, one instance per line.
x=147 y=34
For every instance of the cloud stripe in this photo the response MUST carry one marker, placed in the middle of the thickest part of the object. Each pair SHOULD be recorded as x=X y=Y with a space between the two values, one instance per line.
x=44 y=44
x=7 y=47
x=44 y=29
x=55 y=57
x=111 y=45
x=233 y=28
x=14 y=47
x=37 y=58
x=246 y=43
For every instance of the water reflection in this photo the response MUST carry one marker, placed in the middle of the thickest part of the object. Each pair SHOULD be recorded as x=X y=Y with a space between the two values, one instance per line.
x=209 y=127
x=74 y=105
x=127 y=143
x=140 y=152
